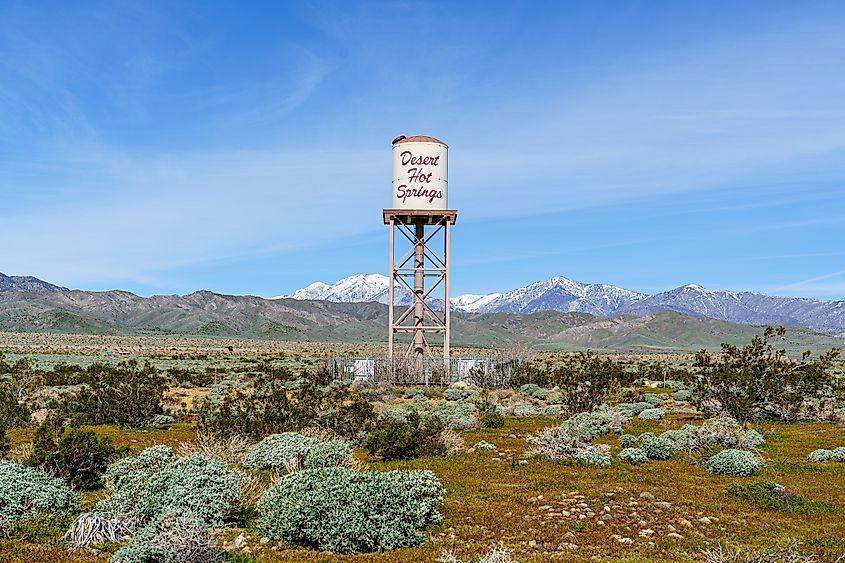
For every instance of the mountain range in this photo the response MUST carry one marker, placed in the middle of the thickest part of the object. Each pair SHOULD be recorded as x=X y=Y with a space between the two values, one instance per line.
x=602 y=300
x=27 y=283
x=31 y=305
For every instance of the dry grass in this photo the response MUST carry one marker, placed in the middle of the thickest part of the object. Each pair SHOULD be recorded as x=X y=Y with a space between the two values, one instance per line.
x=229 y=450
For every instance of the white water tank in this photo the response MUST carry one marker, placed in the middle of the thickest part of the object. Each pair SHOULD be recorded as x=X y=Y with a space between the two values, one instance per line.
x=420 y=173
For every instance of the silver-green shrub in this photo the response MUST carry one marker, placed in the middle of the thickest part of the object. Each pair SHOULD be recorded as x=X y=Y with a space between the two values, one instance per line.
x=658 y=448
x=722 y=431
x=458 y=416
x=346 y=511
x=819 y=456
x=534 y=390
x=457 y=394
x=555 y=442
x=633 y=409
x=751 y=440
x=652 y=414
x=593 y=455
x=553 y=410
x=654 y=399
x=632 y=455
x=277 y=451
x=682 y=395
x=587 y=426
x=483 y=445
x=679 y=438
x=160 y=420
x=170 y=538
x=197 y=484
x=397 y=412
x=734 y=462
x=24 y=490
x=127 y=477
x=525 y=410
x=576 y=433
x=627 y=440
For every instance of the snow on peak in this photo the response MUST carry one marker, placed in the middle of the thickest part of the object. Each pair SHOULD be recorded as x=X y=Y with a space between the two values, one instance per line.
x=353 y=289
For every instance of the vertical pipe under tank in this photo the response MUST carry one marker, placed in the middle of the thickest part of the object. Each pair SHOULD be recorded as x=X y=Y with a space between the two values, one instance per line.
x=419 y=290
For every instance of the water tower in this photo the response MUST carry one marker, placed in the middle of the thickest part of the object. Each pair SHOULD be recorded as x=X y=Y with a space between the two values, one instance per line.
x=421 y=218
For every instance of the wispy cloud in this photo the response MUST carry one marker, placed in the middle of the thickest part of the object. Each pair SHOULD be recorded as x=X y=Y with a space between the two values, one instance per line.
x=152 y=139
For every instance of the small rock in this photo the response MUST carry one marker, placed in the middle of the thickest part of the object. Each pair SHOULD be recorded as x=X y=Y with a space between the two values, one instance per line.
x=662 y=504
x=625 y=540
x=569 y=546
x=239 y=541
x=532 y=544
x=645 y=533
x=265 y=539
x=544 y=507
x=671 y=528
x=523 y=462
x=685 y=522
x=705 y=520
x=674 y=536
x=646 y=495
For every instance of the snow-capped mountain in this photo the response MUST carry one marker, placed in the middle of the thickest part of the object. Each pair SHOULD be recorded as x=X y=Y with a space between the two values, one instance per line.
x=471 y=302
x=359 y=288
x=746 y=308
x=558 y=294
x=602 y=300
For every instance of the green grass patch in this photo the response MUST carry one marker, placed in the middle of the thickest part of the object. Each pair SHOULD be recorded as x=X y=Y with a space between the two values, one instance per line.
x=40 y=528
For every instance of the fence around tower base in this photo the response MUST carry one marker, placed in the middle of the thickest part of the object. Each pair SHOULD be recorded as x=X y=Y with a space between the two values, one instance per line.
x=491 y=372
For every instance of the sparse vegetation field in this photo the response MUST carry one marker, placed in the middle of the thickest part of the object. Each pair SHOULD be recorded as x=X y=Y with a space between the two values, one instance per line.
x=547 y=485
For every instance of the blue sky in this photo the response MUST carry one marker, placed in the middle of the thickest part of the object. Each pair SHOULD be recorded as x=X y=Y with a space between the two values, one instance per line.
x=245 y=147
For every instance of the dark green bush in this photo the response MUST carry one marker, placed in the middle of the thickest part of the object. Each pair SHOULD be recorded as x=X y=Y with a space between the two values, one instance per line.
x=770 y=495
x=126 y=394
x=5 y=445
x=398 y=439
x=13 y=412
x=757 y=380
x=584 y=379
x=77 y=456
x=278 y=403
x=488 y=413
x=492 y=419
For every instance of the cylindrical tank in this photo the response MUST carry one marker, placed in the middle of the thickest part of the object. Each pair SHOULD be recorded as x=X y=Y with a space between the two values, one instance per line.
x=420 y=173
